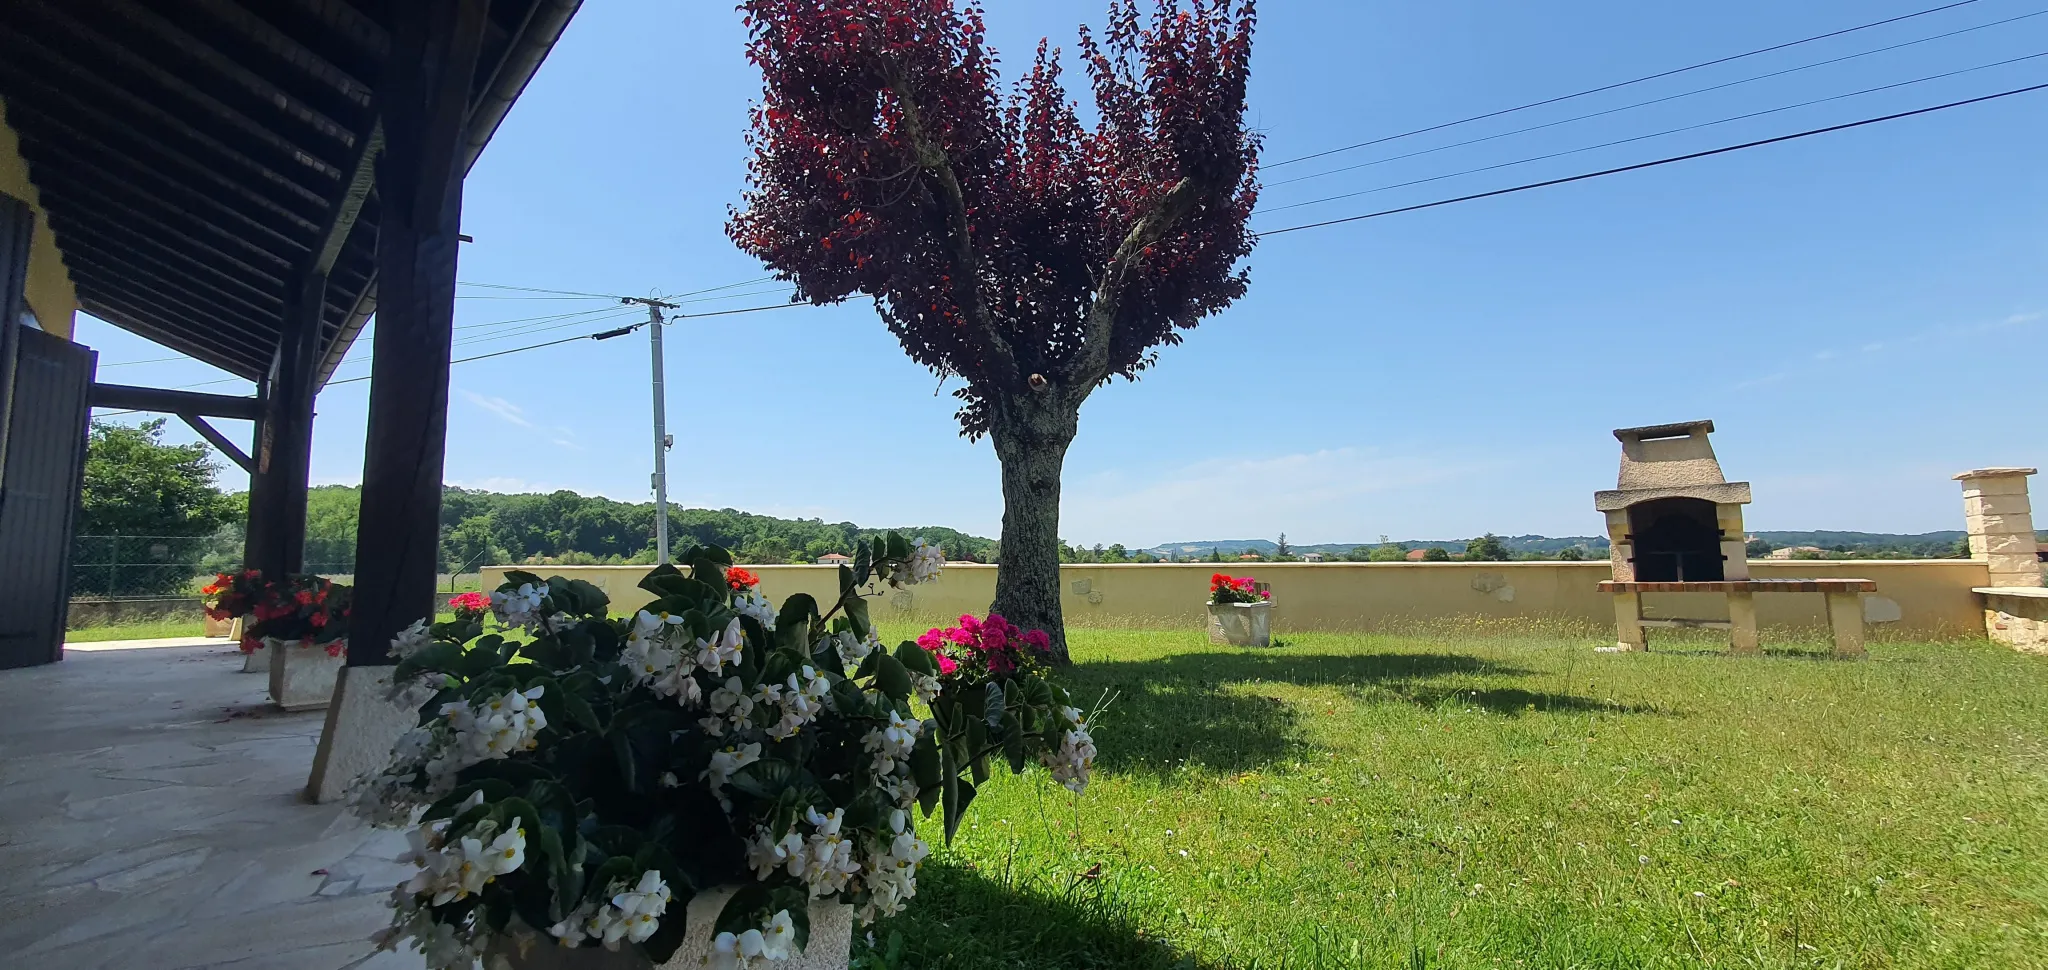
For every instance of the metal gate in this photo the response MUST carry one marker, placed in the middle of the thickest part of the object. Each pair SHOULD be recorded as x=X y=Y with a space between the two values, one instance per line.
x=42 y=459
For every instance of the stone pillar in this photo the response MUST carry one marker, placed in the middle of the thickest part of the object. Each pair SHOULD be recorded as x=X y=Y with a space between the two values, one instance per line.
x=1620 y=549
x=1734 y=541
x=2001 y=524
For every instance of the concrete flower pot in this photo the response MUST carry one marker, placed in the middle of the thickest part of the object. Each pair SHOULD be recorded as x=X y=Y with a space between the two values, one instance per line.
x=831 y=943
x=302 y=675
x=257 y=661
x=1241 y=624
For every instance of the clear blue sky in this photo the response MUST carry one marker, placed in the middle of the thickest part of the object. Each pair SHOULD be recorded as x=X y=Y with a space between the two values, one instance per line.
x=1862 y=314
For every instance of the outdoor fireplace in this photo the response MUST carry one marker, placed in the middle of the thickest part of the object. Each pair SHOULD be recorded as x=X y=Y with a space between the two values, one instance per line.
x=1675 y=525
x=1673 y=517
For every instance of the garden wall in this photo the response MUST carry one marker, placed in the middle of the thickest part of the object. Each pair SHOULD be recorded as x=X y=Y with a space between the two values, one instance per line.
x=1922 y=597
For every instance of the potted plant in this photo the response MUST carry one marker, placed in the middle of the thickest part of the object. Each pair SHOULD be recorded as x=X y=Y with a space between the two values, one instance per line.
x=701 y=783
x=1240 y=611
x=233 y=596
x=302 y=623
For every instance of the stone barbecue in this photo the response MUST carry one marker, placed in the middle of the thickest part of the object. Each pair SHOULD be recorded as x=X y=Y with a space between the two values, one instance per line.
x=1673 y=516
x=1674 y=525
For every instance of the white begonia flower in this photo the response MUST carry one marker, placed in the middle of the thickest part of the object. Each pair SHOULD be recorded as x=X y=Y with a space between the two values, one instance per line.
x=737 y=952
x=506 y=852
x=928 y=687
x=516 y=608
x=411 y=640
x=891 y=743
x=766 y=853
x=1075 y=759
x=444 y=949
x=573 y=929
x=757 y=606
x=924 y=565
x=723 y=650
x=680 y=682
x=642 y=906
x=827 y=857
x=724 y=763
x=852 y=649
x=778 y=936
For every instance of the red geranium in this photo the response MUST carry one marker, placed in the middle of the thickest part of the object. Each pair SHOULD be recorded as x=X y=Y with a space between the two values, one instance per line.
x=307 y=609
x=1236 y=589
x=470 y=606
x=740 y=579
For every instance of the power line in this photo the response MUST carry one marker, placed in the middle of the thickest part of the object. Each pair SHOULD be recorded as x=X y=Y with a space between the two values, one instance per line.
x=153 y=360
x=1622 y=84
x=1673 y=97
x=1658 y=134
x=1652 y=164
x=543 y=318
x=727 y=286
x=613 y=314
x=535 y=289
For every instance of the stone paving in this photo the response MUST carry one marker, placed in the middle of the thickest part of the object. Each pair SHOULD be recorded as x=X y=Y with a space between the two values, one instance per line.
x=151 y=818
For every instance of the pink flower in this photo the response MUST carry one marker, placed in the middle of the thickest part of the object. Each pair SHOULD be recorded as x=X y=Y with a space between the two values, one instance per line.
x=946 y=664
x=1038 y=639
x=932 y=639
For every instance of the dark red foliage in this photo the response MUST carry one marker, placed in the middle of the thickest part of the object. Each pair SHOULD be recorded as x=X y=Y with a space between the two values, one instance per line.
x=1001 y=238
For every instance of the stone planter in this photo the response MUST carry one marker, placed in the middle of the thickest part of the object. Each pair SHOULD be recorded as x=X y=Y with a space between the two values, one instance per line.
x=257 y=661
x=1241 y=624
x=830 y=947
x=302 y=675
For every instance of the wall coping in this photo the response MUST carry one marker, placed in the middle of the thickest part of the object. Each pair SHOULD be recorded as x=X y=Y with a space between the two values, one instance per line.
x=1228 y=566
x=2025 y=592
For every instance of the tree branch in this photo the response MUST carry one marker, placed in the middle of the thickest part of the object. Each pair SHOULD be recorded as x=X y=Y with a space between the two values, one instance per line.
x=1098 y=331
x=997 y=355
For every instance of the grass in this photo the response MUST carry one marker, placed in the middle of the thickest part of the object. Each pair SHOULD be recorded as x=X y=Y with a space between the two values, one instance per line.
x=176 y=626
x=1418 y=801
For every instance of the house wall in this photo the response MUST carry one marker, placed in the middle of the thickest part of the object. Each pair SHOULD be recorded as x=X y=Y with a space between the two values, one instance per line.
x=1930 y=597
x=50 y=293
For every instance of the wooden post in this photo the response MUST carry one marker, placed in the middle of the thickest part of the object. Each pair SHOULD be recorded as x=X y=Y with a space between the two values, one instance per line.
x=276 y=542
x=1742 y=639
x=425 y=101
x=1628 y=622
x=1845 y=618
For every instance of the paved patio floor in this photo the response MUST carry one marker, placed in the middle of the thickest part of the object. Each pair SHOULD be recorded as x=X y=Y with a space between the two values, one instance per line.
x=151 y=819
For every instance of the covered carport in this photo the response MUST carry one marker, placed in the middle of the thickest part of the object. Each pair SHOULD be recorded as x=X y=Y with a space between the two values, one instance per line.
x=247 y=182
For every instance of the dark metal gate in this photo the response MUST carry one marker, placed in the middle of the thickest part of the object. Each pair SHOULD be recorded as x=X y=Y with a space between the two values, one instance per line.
x=42 y=459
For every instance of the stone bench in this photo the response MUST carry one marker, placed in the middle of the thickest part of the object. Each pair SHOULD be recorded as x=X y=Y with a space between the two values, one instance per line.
x=1844 y=599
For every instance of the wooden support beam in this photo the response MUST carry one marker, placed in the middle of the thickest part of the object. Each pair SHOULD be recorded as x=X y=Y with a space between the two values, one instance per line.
x=425 y=100
x=284 y=450
x=287 y=49
x=29 y=60
x=169 y=401
x=208 y=303
x=123 y=243
x=182 y=228
x=220 y=441
x=100 y=133
x=88 y=44
x=139 y=178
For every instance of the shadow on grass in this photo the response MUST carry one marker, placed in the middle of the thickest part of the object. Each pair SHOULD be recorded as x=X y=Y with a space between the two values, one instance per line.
x=1182 y=709
x=965 y=920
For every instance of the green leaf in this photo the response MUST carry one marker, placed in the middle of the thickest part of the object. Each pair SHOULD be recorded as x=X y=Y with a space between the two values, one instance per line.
x=899 y=547
x=863 y=561
x=847 y=584
x=793 y=621
x=590 y=600
x=917 y=658
x=925 y=765
x=891 y=676
x=857 y=615
x=515 y=578
x=651 y=581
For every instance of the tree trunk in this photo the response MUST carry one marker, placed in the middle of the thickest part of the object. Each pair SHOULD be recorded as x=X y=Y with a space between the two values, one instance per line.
x=1031 y=439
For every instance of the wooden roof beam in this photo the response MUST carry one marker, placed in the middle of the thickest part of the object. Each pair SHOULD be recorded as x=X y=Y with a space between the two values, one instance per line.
x=174 y=402
x=61 y=190
x=122 y=314
x=122 y=244
x=284 y=47
x=161 y=185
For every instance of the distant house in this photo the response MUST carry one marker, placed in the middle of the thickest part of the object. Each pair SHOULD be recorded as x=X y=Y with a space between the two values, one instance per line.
x=1792 y=552
x=1311 y=557
x=834 y=559
x=1416 y=555
x=1249 y=557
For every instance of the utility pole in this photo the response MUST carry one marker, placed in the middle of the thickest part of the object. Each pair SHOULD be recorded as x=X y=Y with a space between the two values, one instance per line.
x=661 y=437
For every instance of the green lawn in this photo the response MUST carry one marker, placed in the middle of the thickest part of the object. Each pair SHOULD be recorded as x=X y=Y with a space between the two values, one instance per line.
x=190 y=626
x=1379 y=801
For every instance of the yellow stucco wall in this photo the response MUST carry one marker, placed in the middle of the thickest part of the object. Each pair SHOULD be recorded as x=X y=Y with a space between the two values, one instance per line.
x=1933 y=596
x=50 y=293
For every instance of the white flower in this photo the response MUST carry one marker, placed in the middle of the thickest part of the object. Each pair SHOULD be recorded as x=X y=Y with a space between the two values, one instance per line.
x=411 y=640
x=757 y=606
x=680 y=682
x=507 y=852
x=517 y=607
x=725 y=763
x=1075 y=759
x=642 y=906
x=924 y=565
x=827 y=861
x=928 y=687
x=573 y=928
x=891 y=743
x=722 y=650
x=730 y=952
x=852 y=649
x=778 y=936
x=766 y=853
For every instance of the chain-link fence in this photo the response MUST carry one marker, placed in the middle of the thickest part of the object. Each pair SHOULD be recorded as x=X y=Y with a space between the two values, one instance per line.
x=150 y=567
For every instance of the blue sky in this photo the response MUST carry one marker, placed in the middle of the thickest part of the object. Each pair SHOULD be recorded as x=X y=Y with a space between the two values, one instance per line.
x=1862 y=314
